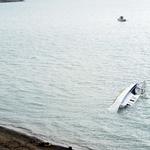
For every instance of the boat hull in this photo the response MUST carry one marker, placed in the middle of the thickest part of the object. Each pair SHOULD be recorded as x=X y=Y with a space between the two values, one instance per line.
x=125 y=98
x=122 y=20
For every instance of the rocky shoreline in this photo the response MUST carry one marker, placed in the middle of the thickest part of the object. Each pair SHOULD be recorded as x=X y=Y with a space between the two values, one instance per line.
x=3 y=1
x=13 y=140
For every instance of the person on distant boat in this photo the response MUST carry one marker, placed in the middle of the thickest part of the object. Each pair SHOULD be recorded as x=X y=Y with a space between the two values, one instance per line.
x=121 y=17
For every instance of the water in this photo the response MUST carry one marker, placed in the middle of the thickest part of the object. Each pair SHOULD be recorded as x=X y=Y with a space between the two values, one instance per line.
x=62 y=63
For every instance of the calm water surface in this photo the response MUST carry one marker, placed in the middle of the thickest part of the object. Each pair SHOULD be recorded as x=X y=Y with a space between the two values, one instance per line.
x=62 y=63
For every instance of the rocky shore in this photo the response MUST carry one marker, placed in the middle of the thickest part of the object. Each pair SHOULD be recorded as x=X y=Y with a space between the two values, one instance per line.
x=13 y=140
x=2 y=1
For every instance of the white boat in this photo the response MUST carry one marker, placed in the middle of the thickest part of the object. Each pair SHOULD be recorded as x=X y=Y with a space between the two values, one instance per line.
x=128 y=96
x=121 y=19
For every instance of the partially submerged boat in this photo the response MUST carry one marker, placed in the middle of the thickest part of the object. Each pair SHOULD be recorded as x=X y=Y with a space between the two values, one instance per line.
x=128 y=96
x=121 y=19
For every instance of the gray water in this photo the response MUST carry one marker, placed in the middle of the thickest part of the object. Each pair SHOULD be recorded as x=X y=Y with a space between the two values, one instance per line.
x=62 y=63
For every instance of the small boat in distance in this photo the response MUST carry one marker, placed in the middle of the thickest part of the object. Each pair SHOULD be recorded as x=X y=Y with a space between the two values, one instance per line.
x=121 y=19
x=128 y=96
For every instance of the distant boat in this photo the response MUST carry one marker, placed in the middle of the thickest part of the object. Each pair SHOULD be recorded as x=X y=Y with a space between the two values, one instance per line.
x=128 y=96
x=121 y=19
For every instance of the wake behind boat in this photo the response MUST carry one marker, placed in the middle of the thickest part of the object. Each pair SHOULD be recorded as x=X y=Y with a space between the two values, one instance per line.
x=121 y=19
x=128 y=96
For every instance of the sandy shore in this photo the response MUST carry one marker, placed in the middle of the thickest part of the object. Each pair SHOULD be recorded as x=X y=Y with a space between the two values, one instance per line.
x=13 y=140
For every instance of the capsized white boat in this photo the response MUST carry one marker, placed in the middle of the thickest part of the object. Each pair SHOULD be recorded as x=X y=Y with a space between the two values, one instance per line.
x=128 y=96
